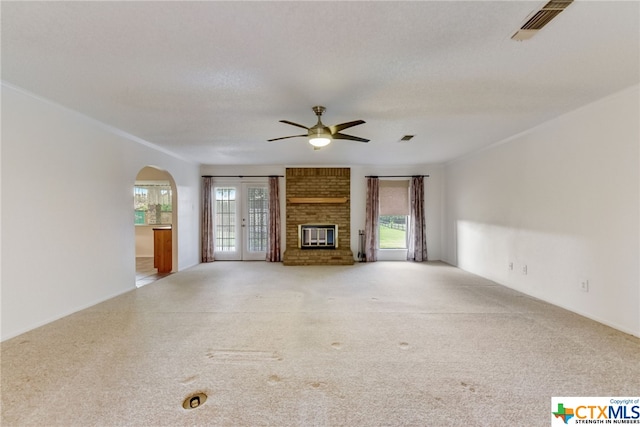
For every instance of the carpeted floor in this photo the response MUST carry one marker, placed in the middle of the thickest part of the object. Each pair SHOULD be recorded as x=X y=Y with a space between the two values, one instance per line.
x=365 y=345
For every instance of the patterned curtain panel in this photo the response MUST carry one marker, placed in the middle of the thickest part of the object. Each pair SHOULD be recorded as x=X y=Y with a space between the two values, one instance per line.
x=417 y=227
x=207 y=240
x=273 y=239
x=371 y=221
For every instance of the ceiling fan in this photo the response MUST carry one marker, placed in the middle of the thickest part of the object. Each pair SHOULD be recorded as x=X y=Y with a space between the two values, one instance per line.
x=321 y=135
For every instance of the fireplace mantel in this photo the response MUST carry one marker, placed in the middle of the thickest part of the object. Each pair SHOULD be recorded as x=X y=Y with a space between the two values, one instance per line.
x=318 y=199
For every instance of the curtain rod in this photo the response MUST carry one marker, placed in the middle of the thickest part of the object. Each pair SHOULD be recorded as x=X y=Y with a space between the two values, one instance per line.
x=395 y=176
x=242 y=176
x=282 y=176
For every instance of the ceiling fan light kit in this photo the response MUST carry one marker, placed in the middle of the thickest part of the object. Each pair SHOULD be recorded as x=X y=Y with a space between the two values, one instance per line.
x=320 y=135
x=319 y=141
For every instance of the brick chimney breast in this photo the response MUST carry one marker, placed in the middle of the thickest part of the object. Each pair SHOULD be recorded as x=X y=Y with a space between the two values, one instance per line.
x=324 y=191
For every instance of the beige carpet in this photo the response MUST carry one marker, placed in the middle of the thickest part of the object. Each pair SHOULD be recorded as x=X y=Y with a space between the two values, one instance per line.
x=364 y=345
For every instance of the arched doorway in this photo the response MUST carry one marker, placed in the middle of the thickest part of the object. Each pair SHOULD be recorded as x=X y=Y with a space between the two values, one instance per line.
x=155 y=206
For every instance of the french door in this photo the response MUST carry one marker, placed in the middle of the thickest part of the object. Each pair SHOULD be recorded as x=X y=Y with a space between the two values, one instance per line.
x=241 y=212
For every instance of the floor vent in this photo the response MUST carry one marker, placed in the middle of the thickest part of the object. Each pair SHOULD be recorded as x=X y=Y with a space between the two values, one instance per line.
x=540 y=19
x=194 y=401
x=406 y=138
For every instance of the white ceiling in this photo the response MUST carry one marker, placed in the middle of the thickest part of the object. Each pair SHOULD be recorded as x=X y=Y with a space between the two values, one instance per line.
x=210 y=80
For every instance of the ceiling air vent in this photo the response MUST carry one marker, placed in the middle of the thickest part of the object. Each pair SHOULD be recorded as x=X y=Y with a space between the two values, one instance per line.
x=540 y=19
x=406 y=138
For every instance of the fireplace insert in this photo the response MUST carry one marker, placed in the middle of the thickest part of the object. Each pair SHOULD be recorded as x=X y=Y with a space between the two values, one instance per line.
x=318 y=236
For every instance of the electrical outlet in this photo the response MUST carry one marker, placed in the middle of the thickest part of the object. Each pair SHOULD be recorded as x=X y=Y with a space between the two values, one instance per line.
x=584 y=285
x=524 y=270
x=510 y=266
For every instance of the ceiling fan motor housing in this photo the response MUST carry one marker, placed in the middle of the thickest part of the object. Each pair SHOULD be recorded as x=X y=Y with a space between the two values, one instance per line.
x=319 y=130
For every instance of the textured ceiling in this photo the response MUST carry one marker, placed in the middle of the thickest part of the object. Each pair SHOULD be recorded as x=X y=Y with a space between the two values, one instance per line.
x=210 y=80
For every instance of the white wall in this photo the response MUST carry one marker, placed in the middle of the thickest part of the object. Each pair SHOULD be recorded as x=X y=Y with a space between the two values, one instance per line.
x=562 y=199
x=433 y=196
x=67 y=210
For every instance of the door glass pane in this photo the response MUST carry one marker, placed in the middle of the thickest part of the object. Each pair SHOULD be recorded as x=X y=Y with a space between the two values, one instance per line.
x=258 y=210
x=225 y=224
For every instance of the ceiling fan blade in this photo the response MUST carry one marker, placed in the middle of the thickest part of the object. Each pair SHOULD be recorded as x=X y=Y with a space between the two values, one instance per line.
x=285 y=137
x=343 y=126
x=294 y=124
x=349 y=137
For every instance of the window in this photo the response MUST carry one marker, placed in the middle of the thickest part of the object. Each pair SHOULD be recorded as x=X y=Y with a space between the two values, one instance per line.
x=393 y=215
x=152 y=203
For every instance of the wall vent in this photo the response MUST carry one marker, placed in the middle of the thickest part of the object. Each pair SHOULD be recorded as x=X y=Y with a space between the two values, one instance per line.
x=541 y=18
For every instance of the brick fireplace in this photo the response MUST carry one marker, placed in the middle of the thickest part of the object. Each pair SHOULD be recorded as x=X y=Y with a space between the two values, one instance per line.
x=318 y=196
